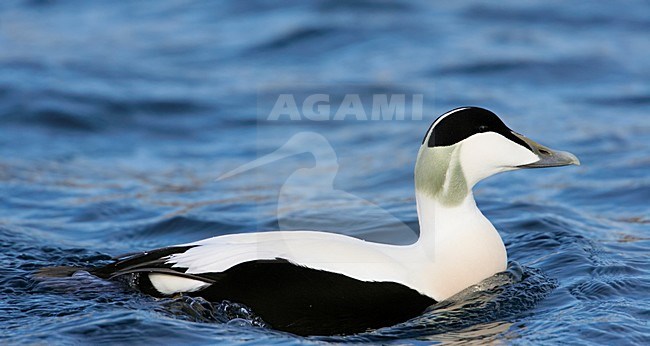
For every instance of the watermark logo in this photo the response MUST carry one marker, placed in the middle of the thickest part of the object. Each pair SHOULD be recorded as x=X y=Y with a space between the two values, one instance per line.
x=357 y=107
x=308 y=200
x=299 y=160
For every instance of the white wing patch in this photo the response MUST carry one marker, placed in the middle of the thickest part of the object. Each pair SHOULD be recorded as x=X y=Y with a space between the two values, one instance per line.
x=171 y=284
x=317 y=250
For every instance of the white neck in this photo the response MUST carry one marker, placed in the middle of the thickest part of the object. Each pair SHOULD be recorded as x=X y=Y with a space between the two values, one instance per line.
x=437 y=220
x=460 y=245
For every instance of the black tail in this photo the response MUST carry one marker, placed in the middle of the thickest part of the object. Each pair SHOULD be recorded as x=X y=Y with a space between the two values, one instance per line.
x=57 y=272
x=148 y=261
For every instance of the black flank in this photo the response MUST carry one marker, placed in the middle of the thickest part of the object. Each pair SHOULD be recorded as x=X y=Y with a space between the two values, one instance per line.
x=307 y=301
x=287 y=296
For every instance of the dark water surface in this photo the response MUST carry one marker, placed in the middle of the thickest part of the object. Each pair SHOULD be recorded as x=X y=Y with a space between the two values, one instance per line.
x=116 y=118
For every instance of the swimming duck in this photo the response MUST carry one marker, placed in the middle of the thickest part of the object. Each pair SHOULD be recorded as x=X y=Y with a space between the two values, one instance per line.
x=319 y=283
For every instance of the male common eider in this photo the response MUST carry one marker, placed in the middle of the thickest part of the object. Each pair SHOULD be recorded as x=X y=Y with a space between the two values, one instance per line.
x=317 y=283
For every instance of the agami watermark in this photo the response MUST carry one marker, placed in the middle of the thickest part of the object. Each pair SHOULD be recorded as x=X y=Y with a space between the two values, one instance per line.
x=373 y=107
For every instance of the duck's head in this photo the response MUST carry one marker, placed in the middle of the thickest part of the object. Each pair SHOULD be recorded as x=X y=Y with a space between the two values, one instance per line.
x=468 y=144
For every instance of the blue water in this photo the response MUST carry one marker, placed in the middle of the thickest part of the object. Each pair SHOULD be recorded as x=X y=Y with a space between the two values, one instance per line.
x=117 y=117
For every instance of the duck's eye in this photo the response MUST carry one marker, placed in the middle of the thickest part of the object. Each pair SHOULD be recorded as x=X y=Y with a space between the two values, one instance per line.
x=482 y=128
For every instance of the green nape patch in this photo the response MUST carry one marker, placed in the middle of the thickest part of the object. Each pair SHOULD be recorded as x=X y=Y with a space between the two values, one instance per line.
x=434 y=167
